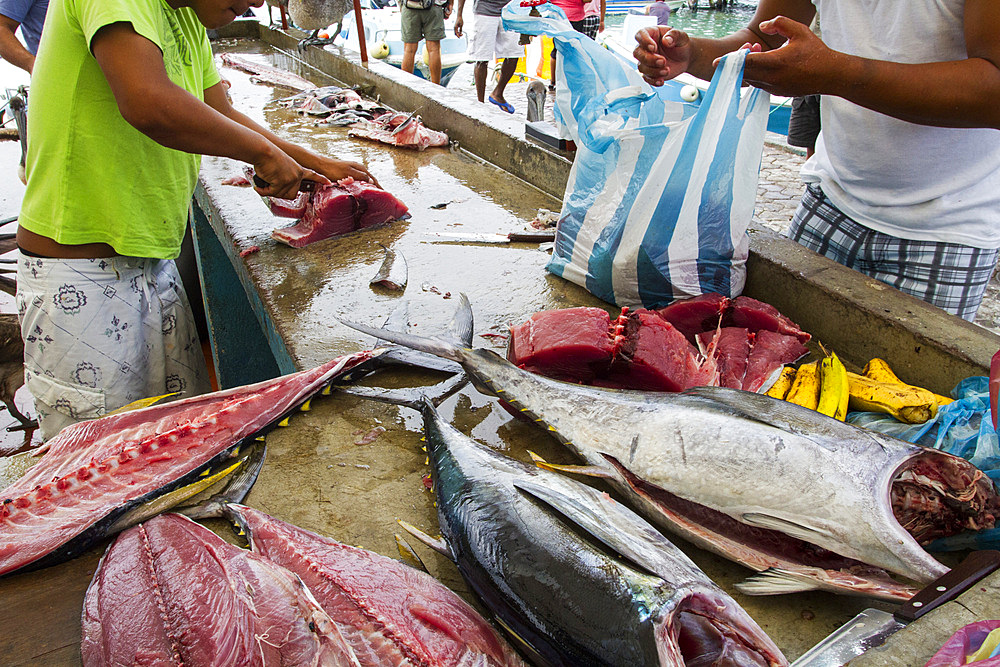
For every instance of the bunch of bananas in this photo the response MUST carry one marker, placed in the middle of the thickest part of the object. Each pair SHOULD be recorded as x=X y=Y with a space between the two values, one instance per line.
x=818 y=385
x=827 y=387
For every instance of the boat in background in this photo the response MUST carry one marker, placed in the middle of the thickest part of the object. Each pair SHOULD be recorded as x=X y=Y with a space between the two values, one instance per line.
x=385 y=42
x=637 y=6
x=622 y=43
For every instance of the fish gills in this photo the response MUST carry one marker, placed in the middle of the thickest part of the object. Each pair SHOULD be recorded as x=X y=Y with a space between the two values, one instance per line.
x=391 y=614
x=171 y=592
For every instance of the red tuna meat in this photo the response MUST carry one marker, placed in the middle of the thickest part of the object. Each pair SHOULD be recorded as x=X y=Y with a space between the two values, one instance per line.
x=331 y=211
x=759 y=316
x=732 y=349
x=288 y=208
x=376 y=206
x=98 y=468
x=572 y=344
x=692 y=316
x=770 y=352
x=171 y=592
x=653 y=355
x=389 y=613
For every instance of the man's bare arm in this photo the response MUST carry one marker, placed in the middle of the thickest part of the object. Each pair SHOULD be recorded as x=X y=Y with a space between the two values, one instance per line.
x=11 y=48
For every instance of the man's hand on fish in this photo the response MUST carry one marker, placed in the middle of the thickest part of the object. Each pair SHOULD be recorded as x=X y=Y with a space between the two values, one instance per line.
x=338 y=169
x=284 y=176
x=663 y=53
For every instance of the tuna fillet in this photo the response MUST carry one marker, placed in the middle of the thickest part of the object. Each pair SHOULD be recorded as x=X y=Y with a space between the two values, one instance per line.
x=97 y=470
x=652 y=355
x=389 y=613
x=572 y=344
x=759 y=316
x=339 y=208
x=169 y=592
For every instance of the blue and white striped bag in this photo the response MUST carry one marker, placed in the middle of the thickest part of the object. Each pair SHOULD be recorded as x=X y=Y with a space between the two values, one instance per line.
x=661 y=191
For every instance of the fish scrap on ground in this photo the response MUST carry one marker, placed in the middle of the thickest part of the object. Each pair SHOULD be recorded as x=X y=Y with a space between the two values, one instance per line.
x=802 y=498
x=392 y=274
x=389 y=613
x=511 y=529
x=261 y=73
x=399 y=129
x=98 y=477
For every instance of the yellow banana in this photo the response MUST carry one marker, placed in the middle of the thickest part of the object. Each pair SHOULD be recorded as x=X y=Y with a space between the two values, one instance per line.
x=879 y=369
x=784 y=382
x=912 y=405
x=805 y=389
x=833 y=388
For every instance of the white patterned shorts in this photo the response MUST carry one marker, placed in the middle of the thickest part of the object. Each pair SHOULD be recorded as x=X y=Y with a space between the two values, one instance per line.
x=101 y=333
x=951 y=276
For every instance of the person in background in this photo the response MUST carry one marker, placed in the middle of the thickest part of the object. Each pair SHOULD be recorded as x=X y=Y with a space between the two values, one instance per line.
x=423 y=19
x=104 y=316
x=575 y=13
x=29 y=16
x=904 y=185
x=803 y=123
x=490 y=40
x=593 y=17
x=660 y=10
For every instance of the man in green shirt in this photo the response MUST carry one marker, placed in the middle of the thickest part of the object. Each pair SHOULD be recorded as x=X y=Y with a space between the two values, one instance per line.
x=125 y=98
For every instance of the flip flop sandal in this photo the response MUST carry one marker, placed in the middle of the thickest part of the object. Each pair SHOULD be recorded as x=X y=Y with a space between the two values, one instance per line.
x=506 y=106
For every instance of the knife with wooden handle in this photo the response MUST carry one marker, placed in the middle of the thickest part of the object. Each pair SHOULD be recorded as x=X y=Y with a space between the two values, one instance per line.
x=872 y=627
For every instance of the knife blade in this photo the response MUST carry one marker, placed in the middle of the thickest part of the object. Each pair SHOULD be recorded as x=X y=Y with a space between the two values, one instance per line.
x=872 y=627
x=513 y=237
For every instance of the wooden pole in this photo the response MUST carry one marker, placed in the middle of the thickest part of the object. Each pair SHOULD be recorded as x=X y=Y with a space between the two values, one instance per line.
x=284 y=18
x=362 y=43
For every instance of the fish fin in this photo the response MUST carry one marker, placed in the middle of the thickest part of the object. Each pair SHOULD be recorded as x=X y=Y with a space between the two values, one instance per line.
x=520 y=643
x=409 y=555
x=461 y=325
x=775 y=581
x=790 y=528
x=141 y=403
x=589 y=471
x=168 y=500
x=236 y=489
x=436 y=543
x=413 y=397
x=611 y=523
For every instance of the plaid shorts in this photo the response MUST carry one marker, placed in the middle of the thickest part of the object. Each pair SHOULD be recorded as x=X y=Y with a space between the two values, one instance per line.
x=953 y=277
x=591 y=25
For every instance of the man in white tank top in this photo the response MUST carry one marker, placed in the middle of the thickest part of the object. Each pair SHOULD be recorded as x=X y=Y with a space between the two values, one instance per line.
x=905 y=182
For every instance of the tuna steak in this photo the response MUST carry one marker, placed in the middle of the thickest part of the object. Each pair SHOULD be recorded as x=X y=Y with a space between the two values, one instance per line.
x=339 y=208
x=510 y=529
x=96 y=472
x=169 y=592
x=391 y=615
x=763 y=482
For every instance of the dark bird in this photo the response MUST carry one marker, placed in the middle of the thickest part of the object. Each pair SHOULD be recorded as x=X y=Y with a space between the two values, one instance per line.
x=12 y=367
x=315 y=15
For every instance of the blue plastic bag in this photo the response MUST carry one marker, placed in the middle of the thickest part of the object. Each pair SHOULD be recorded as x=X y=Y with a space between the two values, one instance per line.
x=963 y=428
x=661 y=191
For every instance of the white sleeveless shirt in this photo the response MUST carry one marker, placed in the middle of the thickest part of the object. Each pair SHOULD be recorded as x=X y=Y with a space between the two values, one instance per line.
x=911 y=181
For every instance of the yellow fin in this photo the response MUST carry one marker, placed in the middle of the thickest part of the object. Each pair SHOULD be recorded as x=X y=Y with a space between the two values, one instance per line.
x=141 y=403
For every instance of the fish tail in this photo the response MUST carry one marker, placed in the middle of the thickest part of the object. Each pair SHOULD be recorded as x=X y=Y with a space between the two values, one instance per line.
x=448 y=345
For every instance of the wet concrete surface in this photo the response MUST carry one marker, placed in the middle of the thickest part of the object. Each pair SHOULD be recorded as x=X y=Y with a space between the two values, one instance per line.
x=317 y=475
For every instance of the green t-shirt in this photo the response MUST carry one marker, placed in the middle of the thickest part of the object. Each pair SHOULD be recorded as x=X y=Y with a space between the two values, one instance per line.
x=92 y=177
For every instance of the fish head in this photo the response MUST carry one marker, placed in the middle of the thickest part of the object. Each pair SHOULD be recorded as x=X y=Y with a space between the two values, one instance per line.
x=705 y=626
